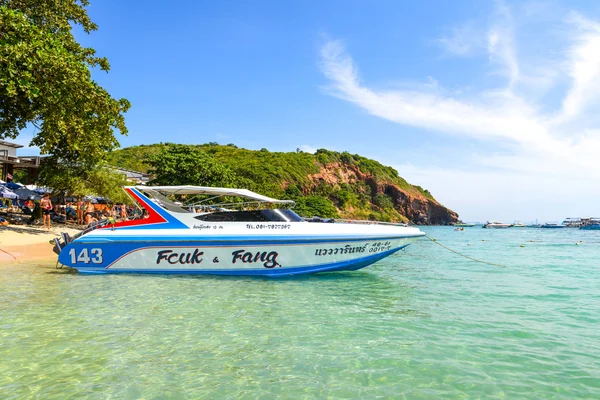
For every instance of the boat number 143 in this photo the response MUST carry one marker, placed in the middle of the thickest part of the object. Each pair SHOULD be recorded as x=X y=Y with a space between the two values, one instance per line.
x=93 y=255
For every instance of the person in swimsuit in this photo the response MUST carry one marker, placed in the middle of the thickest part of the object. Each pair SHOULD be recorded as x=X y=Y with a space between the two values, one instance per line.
x=90 y=214
x=46 y=206
x=80 y=207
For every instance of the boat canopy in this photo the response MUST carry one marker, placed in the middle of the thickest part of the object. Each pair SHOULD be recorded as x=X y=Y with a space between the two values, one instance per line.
x=213 y=191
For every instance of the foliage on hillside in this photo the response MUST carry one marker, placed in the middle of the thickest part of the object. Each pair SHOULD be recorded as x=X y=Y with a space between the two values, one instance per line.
x=276 y=174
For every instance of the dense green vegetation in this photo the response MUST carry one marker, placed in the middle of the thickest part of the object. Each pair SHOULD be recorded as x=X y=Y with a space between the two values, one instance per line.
x=46 y=81
x=68 y=178
x=277 y=174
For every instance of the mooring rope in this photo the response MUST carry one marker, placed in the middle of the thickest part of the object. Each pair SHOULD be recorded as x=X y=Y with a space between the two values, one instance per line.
x=464 y=255
x=4 y=251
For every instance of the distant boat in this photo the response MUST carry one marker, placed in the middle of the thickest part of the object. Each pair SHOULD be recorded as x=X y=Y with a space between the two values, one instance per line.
x=553 y=226
x=590 y=224
x=518 y=225
x=496 y=225
x=534 y=226
x=574 y=222
x=591 y=227
x=463 y=225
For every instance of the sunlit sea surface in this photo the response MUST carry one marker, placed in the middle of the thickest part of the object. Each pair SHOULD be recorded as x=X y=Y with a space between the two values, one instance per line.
x=424 y=323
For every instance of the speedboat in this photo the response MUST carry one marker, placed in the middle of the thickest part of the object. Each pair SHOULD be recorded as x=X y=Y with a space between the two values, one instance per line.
x=196 y=236
x=496 y=225
x=518 y=225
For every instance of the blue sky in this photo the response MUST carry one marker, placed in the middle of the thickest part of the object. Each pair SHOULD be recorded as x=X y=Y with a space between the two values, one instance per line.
x=489 y=105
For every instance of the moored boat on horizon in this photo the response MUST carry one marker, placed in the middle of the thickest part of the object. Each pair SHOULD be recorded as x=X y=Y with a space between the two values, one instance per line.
x=461 y=224
x=217 y=239
x=496 y=225
x=552 y=226
x=591 y=224
x=573 y=222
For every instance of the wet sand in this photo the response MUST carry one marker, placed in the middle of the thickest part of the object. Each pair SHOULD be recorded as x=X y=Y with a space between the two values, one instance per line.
x=20 y=244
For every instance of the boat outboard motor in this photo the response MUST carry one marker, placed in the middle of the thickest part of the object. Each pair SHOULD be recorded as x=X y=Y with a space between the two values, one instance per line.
x=58 y=246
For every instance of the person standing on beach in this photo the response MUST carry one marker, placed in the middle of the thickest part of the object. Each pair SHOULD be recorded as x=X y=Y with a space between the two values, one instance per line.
x=90 y=213
x=46 y=206
x=79 y=210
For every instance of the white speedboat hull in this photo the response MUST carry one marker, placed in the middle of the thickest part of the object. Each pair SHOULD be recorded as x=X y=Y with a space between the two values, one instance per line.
x=173 y=243
x=218 y=256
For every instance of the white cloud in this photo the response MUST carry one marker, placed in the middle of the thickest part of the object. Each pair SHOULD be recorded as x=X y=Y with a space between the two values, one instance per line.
x=495 y=114
x=464 y=40
x=501 y=50
x=583 y=68
x=547 y=148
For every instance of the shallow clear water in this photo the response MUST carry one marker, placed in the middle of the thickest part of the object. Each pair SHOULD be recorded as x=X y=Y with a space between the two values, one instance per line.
x=424 y=323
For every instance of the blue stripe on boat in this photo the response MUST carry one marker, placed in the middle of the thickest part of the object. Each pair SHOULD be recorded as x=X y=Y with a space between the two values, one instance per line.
x=349 y=265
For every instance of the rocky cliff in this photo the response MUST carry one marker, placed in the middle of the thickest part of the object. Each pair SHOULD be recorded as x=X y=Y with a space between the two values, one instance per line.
x=416 y=207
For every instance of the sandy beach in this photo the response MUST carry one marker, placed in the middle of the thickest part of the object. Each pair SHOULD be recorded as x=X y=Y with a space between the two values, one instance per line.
x=22 y=243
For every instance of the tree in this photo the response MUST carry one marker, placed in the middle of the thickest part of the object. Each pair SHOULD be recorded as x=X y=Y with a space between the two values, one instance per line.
x=311 y=206
x=72 y=178
x=45 y=80
x=180 y=164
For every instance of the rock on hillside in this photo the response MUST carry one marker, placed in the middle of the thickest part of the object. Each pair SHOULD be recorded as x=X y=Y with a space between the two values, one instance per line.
x=416 y=207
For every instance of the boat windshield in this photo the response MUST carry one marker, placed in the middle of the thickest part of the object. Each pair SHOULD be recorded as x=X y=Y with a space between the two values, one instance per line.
x=163 y=201
x=274 y=215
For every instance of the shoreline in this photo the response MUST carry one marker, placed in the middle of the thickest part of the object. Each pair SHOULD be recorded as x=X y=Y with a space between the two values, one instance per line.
x=21 y=244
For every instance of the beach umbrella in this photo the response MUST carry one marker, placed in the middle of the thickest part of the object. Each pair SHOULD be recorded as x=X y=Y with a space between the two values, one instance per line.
x=38 y=189
x=13 y=185
x=7 y=193
x=26 y=194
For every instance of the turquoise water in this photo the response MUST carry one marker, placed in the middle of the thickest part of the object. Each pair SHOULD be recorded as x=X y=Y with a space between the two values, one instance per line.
x=424 y=323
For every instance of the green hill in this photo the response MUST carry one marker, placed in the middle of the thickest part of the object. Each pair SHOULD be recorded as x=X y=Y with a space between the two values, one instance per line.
x=327 y=183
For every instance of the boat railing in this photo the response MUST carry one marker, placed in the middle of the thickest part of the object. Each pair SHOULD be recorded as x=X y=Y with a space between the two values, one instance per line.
x=237 y=205
x=354 y=221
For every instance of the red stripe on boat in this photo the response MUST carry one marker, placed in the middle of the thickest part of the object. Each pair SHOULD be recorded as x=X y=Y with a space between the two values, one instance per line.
x=153 y=218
